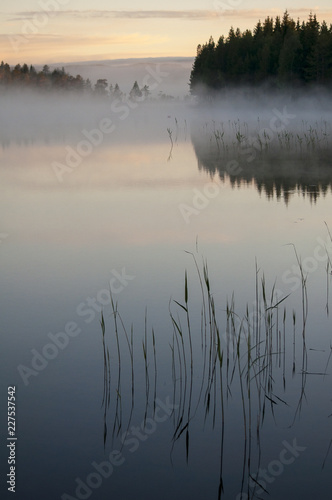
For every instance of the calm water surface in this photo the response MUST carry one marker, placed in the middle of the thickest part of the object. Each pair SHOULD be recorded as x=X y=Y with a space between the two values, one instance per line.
x=124 y=220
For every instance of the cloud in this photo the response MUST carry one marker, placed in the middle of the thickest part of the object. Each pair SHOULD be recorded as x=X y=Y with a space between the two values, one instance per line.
x=77 y=40
x=120 y=14
x=51 y=47
x=221 y=9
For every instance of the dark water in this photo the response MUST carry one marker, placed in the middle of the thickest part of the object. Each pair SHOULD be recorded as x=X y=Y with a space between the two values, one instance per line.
x=144 y=415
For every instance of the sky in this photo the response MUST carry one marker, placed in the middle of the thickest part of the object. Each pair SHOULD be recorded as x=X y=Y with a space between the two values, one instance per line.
x=54 y=31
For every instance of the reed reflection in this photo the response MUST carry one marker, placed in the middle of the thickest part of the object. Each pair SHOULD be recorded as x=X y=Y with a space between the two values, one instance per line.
x=223 y=363
x=278 y=163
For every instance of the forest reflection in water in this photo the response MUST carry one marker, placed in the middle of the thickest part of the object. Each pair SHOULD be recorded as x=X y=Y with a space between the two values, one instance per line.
x=278 y=162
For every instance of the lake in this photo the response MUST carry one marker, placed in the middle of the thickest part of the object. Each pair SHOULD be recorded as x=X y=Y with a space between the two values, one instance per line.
x=166 y=273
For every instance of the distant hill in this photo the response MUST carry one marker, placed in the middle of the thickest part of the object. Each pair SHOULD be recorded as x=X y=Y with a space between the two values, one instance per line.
x=126 y=71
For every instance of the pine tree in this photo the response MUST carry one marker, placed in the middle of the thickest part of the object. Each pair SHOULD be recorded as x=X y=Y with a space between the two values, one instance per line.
x=135 y=92
x=117 y=94
x=146 y=92
x=101 y=87
x=281 y=52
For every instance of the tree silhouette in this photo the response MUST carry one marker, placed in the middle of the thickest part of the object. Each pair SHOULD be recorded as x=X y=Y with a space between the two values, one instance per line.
x=280 y=52
x=135 y=92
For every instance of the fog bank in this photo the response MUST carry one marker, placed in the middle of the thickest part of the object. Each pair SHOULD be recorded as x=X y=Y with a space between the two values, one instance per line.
x=29 y=116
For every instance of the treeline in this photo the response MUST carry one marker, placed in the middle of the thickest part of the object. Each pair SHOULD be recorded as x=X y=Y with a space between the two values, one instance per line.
x=279 y=52
x=24 y=76
x=27 y=76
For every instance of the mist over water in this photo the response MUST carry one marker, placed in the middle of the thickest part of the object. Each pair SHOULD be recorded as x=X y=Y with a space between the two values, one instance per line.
x=244 y=133
x=29 y=115
x=100 y=195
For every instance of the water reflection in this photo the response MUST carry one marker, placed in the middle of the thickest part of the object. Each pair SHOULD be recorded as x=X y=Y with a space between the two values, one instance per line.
x=294 y=161
x=236 y=374
x=219 y=400
x=278 y=161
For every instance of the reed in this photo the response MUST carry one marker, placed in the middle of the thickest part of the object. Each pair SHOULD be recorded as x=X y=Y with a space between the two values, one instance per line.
x=107 y=378
x=236 y=140
x=146 y=369
x=118 y=409
x=245 y=360
x=170 y=135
